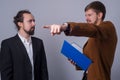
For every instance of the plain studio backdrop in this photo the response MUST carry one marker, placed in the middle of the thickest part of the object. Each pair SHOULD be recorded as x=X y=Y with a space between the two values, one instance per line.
x=58 y=12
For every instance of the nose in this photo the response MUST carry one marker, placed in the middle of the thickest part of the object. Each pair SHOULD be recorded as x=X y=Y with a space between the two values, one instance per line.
x=33 y=23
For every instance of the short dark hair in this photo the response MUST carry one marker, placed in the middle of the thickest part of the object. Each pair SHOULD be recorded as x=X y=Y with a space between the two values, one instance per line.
x=19 y=17
x=98 y=7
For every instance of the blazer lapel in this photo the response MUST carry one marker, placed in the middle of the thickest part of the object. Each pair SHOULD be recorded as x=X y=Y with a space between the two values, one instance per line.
x=22 y=48
x=85 y=45
x=34 y=46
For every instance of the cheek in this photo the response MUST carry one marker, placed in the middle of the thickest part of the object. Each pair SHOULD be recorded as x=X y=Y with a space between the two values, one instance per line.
x=26 y=27
x=93 y=19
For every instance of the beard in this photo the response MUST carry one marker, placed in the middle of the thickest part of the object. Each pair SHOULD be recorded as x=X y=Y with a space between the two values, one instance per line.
x=90 y=22
x=31 y=31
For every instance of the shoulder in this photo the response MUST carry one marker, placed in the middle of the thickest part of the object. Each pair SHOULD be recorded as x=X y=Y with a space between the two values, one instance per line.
x=10 y=39
x=36 y=39
x=108 y=23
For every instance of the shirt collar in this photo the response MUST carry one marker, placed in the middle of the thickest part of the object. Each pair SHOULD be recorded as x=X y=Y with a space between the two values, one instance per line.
x=24 y=40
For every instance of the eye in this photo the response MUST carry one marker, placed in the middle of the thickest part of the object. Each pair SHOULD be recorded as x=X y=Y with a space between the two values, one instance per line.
x=89 y=14
x=32 y=20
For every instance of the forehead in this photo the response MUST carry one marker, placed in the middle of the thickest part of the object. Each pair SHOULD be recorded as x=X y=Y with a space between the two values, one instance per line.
x=28 y=16
x=90 y=11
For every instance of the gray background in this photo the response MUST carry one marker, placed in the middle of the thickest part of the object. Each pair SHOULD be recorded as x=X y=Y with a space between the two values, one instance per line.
x=58 y=11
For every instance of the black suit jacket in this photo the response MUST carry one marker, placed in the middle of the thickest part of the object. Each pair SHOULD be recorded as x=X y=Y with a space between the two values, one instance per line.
x=15 y=63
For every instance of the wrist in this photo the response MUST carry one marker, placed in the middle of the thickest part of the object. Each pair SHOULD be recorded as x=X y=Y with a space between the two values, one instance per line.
x=64 y=26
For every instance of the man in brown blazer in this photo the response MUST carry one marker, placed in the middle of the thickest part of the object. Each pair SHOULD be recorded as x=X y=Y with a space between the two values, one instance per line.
x=101 y=45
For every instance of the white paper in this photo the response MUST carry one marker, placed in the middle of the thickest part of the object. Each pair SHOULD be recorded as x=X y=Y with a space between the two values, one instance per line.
x=77 y=47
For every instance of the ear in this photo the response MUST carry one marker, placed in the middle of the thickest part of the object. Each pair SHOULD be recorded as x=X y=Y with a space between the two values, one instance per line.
x=100 y=15
x=20 y=24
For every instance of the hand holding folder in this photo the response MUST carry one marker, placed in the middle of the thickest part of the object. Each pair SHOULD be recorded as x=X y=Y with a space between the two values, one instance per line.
x=72 y=53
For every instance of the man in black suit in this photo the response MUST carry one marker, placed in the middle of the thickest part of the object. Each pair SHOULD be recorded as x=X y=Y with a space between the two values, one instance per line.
x=22 y=57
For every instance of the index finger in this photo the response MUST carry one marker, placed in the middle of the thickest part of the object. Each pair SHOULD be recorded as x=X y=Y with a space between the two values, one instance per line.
x=47 y=26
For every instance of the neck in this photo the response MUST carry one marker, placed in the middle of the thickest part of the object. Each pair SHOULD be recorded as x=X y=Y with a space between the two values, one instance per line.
x=24 y=34
x=98 y=22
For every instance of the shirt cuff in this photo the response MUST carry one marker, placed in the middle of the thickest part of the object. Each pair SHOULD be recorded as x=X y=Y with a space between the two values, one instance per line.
x=67 y=31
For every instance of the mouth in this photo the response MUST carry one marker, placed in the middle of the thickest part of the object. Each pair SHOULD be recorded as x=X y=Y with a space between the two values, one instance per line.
x=33 y=28
x=88 y=21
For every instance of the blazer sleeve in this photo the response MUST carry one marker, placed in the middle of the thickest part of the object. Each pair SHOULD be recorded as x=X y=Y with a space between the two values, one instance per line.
x=5 y=62
x=101 y=31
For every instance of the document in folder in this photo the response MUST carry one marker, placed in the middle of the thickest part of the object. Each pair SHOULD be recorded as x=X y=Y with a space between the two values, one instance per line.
x=72 y=53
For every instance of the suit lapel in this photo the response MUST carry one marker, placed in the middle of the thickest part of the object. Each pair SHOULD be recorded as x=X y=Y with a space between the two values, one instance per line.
x=22 y=48
x=85 y=45
x=34 y=46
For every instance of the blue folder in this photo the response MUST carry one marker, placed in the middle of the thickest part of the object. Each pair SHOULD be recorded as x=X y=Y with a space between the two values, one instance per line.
x=72 y=53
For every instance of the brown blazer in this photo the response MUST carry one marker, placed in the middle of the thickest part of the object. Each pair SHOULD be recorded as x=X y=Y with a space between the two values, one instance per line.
x=100 y=47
